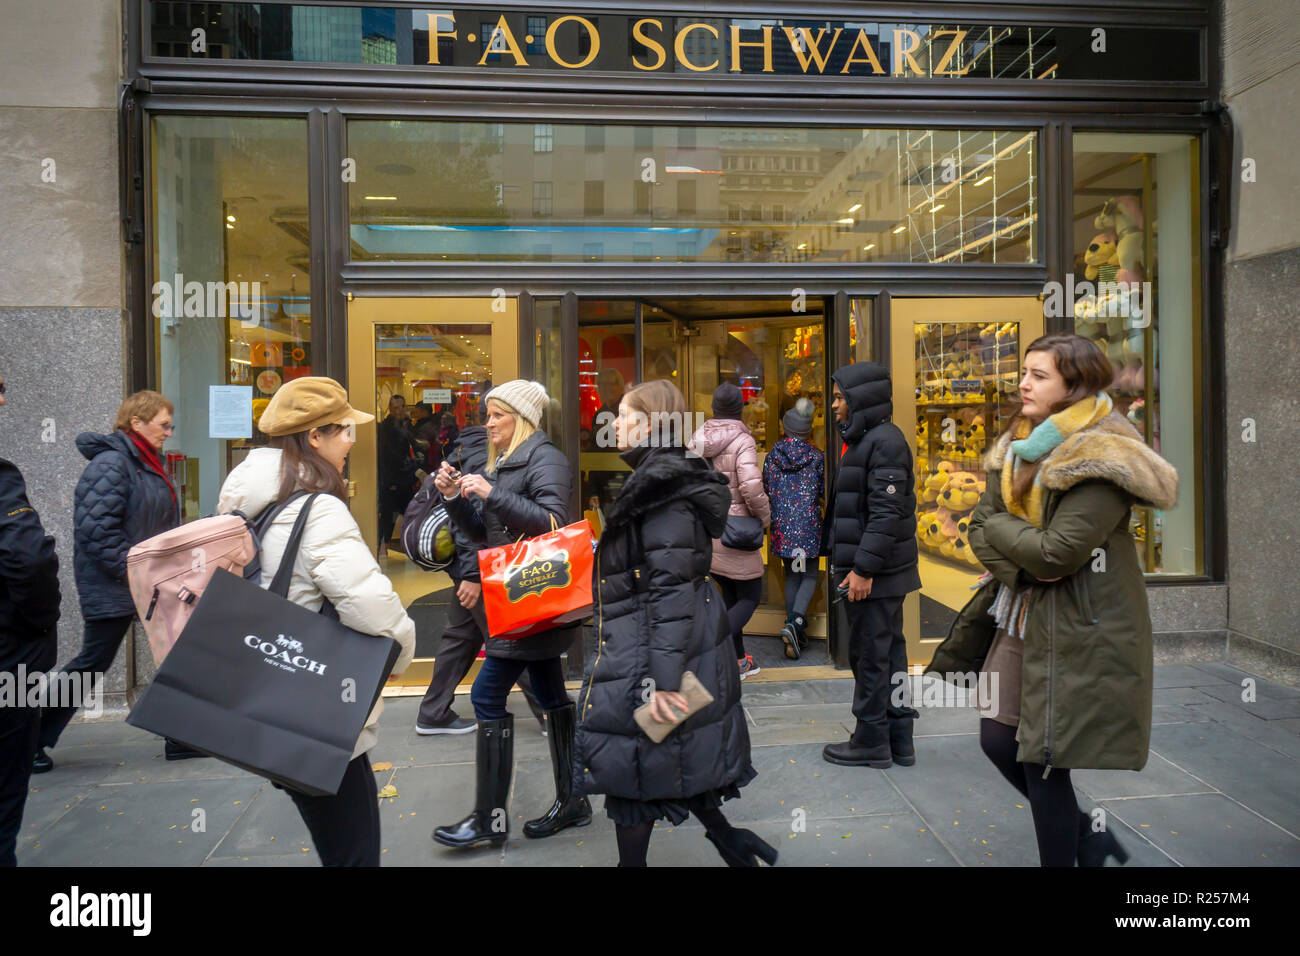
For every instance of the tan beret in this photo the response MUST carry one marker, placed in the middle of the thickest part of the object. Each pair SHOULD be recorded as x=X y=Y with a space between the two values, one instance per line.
x=302 y=404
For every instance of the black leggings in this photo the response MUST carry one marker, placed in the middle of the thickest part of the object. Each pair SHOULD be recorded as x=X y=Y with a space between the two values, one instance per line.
x=741 y=599
x=1057 y=817
x=634 y=840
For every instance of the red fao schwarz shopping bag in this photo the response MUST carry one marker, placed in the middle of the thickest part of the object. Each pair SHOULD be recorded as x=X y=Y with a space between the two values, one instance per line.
x=537 y=583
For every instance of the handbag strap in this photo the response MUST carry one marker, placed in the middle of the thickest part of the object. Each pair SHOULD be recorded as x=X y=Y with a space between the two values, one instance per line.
x=283 y=574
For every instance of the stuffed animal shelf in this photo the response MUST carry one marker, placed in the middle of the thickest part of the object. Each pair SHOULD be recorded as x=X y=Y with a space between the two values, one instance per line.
x=1122 y=215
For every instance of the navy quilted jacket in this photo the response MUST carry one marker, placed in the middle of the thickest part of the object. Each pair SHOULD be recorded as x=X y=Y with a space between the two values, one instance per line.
x=120 y=501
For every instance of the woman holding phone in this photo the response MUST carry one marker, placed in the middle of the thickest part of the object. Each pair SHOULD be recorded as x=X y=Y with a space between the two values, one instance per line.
x=660 y=615
x=524 y=491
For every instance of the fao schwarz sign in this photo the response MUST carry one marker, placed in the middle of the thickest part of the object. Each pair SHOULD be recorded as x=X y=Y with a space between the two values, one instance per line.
x=667 y=44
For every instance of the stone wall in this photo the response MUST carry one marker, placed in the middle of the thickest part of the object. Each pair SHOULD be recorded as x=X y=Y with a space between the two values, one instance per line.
x=62 y=331
x=1261 y=86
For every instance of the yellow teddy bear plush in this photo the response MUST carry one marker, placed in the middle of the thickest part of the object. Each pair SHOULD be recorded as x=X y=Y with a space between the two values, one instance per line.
x=960 y=492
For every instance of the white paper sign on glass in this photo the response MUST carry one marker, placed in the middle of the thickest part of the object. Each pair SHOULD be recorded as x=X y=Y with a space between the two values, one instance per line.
x=230 y=411
x=437 y=396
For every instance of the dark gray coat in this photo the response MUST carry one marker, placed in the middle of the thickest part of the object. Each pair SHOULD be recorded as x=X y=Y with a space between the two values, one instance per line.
x=529 y=487
x=659 y=614
x=119 y=502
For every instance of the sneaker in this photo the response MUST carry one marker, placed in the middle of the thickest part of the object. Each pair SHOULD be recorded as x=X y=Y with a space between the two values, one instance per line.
x=790 y=637
x=41 y=763
x=449 y=725
x=747 y=666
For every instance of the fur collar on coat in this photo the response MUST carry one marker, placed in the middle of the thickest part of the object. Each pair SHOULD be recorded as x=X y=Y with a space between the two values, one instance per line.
x=664 y=475
x=1111 y=450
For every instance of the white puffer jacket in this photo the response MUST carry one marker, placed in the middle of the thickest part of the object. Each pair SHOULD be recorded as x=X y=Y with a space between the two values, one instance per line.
x=333 y=562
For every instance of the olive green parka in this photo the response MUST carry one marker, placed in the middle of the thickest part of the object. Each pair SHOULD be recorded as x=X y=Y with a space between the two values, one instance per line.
x=1087 y=666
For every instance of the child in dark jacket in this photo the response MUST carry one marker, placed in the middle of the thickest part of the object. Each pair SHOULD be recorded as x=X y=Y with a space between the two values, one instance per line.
x=793 y=477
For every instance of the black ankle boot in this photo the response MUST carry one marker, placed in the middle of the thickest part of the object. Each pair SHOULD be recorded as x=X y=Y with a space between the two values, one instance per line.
x=490 y=821
x=868 y=747
x=741 y=847
x=568 y=810
x=900 y=737
x=1095 y=846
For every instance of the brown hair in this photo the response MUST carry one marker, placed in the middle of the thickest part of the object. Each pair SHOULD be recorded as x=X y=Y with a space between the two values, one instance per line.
x=144 y=405
x=662 y=398
x=302 y=466
x=1086 y=371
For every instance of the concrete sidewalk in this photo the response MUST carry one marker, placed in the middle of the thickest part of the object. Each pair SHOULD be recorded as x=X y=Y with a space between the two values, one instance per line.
x=1220 y=789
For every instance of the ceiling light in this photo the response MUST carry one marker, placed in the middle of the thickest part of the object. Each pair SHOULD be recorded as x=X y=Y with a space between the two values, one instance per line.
x=855 y=207
x=848 y=221
x=229 y=226
x=230 y=219
x=899 y=228
x=869 y=245
x=802 y=245
x=936 y=208
x=981 y=182
x=382 y=198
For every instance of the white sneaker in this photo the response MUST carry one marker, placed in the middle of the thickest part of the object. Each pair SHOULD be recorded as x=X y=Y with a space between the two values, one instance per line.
x=457 y=725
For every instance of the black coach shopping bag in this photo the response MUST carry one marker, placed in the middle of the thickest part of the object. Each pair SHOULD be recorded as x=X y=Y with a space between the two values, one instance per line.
x=267 y=685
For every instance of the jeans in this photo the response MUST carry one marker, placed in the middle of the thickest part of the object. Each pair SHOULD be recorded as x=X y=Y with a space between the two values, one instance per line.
x=799 y=587
x=741 y=599
x=99 y=644
x=344 y=827
x=499 y=674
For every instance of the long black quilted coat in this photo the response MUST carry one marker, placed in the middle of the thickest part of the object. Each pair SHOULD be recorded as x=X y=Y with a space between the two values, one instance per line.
x=871 y=525
x=528 y=489
x=659 y=614
x=120 y=501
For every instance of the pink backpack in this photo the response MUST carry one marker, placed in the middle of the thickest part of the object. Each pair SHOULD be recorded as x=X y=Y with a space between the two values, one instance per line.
x=168 y=572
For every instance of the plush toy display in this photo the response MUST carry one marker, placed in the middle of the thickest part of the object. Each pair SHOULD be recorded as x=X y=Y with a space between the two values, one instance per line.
x=1122 y=215
x=960 y=493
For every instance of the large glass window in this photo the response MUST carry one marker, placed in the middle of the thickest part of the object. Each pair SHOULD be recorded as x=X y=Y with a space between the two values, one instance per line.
x=712 y=194
x=1135 y=289
x=231 y=297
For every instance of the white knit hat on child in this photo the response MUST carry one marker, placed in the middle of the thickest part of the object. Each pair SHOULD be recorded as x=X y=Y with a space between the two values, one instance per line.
x=527 y=398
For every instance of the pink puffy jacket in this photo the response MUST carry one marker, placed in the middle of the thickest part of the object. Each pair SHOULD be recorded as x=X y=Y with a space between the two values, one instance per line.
x=729 y=445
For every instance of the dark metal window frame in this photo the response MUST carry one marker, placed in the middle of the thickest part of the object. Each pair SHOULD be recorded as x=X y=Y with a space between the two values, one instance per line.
x=330 y=96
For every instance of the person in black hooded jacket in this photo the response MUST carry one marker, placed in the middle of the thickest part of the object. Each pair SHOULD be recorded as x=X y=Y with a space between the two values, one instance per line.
x=29 y=638
x=871 y=540
x=660 y=614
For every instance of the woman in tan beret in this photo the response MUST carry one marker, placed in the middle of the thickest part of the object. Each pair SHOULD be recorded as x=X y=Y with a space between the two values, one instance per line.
x=312 y=429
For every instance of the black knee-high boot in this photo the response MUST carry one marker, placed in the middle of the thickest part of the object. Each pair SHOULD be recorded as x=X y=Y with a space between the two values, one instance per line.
x=489 y=822
x=567 y=810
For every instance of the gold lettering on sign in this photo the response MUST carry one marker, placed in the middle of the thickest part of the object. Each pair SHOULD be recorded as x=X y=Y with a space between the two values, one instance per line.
x=737 y=43
x=591 y=32
x=953 y=47
x=436 y=34
x=679 y=45
x=639 y=35
x=905 y=52
x=809 y=50
x=862 y=41
x=499 y=37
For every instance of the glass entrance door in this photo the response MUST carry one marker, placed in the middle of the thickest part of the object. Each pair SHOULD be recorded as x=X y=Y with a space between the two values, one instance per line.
x=956 y=372
x=422 y=367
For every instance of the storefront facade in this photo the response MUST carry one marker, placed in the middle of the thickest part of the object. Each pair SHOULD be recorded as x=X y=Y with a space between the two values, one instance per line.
x=420 y=202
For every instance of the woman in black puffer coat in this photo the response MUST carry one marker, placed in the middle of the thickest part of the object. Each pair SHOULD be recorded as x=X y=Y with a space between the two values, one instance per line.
x=659 y=614
x=123 y=497
x=524 y=491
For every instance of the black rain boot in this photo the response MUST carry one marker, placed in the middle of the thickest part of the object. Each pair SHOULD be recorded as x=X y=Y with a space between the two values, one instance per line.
x=741 y=847
x=790 y=638
x=490 y=821
x=568 y=810
x=1094 y=847
x=900 y=737
x=868 y=747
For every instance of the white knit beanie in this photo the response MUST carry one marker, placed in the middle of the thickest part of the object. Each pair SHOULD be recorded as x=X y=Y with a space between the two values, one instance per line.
x=527 y=398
